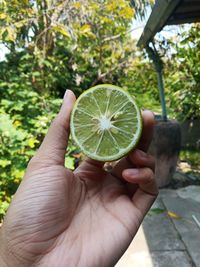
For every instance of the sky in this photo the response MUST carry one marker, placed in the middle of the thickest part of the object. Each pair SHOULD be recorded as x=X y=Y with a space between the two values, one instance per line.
x=167 y=32
x=3 y=51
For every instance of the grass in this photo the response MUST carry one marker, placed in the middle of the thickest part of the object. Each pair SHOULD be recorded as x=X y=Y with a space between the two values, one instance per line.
x=192 y=157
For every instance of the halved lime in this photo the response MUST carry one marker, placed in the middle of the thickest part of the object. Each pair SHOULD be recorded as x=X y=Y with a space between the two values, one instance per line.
x=106 y=122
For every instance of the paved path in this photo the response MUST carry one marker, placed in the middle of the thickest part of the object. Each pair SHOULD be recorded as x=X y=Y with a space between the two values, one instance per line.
x=169 y=236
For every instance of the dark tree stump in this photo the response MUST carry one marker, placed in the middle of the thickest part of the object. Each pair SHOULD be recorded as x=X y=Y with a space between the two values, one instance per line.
x=165 y=147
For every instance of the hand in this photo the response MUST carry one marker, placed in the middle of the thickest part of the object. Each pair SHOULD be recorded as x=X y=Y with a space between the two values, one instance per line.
x=85 y=218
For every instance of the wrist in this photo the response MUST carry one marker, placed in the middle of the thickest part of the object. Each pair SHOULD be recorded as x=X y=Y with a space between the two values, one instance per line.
x=3 y=262
x=8 y=255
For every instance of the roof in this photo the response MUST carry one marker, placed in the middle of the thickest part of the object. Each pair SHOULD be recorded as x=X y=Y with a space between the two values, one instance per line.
x=169 y=12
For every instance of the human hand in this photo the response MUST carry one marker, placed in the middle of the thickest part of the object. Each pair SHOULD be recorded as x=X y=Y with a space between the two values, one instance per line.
x=85 y=218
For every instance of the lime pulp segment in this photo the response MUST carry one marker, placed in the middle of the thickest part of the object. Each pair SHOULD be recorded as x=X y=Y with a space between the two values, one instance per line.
x=106 y=122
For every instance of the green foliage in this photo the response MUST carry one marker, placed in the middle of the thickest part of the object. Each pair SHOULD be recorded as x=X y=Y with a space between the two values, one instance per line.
x=25 y=116
x=24 y=119
x=191 y=156
x=50 y=52
x=183 y=75
x=54 y=45
x=141 y=81
x=141 y=7
x=156 y=211
x=89 y=44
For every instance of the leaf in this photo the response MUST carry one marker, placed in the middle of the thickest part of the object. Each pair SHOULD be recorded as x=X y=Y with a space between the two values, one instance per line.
x=173 y=215
x=127 y=13
x=86 y=31
x=111 y=6
x=3 y=207
x=25 y=2
x=156 y=211
x=85 y=28
x=4 y=163
x=94 y=6
x=18 y=174
x=61 y=29
x=48 y=64
x=77 y=5
x=20 y=23
x=36 y=74
x=17 y=123
x=3 y=16
x=69 y=163
x=9 y=34
x=32 y=141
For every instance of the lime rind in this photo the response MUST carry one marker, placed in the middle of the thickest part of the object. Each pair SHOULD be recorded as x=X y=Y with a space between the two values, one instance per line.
x=122 y=152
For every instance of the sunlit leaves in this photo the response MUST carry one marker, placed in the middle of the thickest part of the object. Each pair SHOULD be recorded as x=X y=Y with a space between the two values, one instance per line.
x=4 y=163
x=77 y=5
x=183 y=83
x=8 y=34
x=85 y=28
x=24 y=119
x=141 y=6
x=65 y=44
x=32 y=142
x=2 y=16
x=60 y=29
x=15 y=16
x=127 y=13
x=69 y=163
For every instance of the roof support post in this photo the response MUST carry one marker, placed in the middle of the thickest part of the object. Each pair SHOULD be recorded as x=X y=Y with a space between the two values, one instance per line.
x=158 y=64
x=162 y=94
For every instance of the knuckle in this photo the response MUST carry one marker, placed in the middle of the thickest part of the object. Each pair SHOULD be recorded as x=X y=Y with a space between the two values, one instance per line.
x=150 y=161
x=148 y=174
x=56 y=121
x=60 y=123
x=40 y=161
x=33 y=162
x=142 y=159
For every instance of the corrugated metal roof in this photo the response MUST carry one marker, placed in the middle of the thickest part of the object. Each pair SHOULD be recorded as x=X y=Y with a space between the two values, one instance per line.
x=187 y=11
x=169 y=12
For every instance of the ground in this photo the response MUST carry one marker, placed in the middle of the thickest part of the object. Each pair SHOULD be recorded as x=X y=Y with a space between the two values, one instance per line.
x=170 y=233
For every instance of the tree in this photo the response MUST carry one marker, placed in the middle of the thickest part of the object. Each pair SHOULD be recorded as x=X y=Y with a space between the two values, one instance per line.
x=87 y=41
x=183 y=79
x=53 y=45
x=140 y=7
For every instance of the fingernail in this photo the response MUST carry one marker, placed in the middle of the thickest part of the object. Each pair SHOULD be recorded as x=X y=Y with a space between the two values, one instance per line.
x=66 y=93
x=141 y=153
x=131 y=172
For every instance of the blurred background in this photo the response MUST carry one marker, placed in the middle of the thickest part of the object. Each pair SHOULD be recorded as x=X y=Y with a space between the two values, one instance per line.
x=48 y=46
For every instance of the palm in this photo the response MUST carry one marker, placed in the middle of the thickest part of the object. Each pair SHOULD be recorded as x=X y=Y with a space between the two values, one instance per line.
x=78 y=212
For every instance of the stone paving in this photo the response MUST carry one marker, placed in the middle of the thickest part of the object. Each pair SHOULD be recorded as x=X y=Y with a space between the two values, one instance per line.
x=169 y=235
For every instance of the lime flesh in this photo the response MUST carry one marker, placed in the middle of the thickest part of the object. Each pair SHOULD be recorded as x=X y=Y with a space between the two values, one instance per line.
x=106 y=122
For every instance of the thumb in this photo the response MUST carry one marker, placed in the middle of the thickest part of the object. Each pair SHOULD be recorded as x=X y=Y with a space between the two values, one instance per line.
x=53 y=147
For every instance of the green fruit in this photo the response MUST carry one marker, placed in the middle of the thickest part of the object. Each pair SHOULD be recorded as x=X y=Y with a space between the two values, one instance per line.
x=106 y=122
